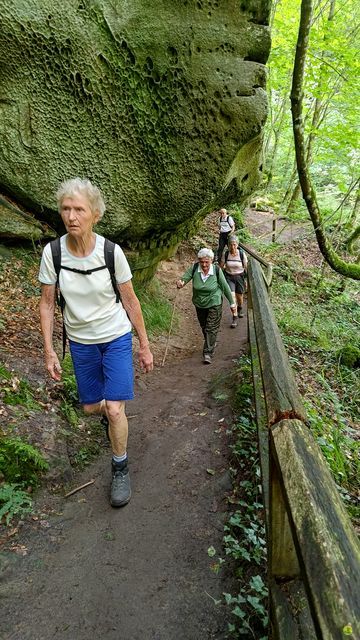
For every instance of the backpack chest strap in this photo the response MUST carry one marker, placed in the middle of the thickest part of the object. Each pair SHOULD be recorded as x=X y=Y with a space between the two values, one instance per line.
x=84 y=272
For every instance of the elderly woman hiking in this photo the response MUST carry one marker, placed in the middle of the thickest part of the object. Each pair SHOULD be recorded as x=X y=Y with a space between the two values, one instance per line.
x=234 y=262
x=97 y=320
x=209 y=286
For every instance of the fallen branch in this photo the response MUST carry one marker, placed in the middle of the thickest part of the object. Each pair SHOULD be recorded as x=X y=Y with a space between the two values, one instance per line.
x=79 y=488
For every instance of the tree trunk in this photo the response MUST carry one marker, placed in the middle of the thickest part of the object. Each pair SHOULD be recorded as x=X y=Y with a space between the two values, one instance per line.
x=333 y=259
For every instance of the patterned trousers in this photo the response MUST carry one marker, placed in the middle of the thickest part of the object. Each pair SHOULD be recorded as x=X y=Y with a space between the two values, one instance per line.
x=209 y=320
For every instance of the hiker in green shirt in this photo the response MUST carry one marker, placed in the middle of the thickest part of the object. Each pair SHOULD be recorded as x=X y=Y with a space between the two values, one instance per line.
x=209 y=286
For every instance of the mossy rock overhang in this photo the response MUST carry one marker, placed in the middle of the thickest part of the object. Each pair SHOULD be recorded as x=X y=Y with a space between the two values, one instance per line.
x=161 y=104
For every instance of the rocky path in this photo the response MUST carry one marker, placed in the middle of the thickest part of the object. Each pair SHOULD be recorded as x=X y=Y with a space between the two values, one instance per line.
x=141 y=572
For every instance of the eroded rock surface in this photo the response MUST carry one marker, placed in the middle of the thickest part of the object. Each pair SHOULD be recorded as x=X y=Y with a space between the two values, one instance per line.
x=160 y=103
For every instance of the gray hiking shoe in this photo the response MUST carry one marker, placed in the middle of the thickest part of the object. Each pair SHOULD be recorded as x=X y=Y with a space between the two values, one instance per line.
x=240 y=312
x=234 y=323
x=120 y=486
x=207 y=358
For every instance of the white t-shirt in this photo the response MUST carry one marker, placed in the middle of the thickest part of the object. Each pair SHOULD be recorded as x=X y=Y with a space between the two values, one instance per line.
x=226 y=224
x=91 y=313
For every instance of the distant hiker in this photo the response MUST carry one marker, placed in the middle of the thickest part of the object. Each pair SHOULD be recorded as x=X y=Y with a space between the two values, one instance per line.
x=99 y=309
x=209 y=286
x=226 y=226
x=234 y=262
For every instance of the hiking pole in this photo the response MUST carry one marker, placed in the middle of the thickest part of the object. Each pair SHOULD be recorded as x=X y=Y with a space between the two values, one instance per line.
x=169 y=334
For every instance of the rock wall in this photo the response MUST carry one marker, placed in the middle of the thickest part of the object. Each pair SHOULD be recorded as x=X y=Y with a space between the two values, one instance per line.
x=160 y=103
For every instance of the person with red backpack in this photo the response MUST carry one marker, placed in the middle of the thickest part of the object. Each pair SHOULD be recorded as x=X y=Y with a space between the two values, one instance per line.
x=209 y=286
x=99 y=310
x=226 y=226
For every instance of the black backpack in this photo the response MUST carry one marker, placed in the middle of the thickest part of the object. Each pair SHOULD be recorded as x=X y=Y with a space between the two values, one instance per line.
x=195 y=266
x=109 y=250
x=241 y=252
x=221 y=219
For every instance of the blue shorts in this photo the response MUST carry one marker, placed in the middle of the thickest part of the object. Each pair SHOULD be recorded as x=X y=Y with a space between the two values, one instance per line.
x=104 y=371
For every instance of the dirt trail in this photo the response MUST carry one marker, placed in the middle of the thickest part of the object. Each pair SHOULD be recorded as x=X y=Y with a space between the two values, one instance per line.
x=141 y=572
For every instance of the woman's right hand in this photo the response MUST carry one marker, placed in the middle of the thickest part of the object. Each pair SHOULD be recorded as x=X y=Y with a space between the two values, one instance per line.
x=180 y=284
x=53 y=366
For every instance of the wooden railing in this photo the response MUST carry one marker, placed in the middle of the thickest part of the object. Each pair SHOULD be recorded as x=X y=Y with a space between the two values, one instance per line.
x=313 y=551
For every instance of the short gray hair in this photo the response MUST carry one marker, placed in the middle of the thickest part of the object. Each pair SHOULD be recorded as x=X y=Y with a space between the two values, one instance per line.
x=82 y=187
x=206 y=253
x=232 y=239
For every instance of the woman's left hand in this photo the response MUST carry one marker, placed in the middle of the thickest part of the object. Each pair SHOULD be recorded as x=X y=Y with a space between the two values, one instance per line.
x=146 y=358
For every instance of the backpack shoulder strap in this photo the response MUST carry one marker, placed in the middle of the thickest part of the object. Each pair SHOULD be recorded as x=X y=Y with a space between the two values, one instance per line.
x=217 y=271
x=109 y=256
x=194 y=267
x=55 y=246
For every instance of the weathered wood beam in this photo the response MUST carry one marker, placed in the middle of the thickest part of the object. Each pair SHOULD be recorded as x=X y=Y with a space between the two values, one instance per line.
x=290 y=613
x=283 y=561
x=282 y=396
x=324 y=536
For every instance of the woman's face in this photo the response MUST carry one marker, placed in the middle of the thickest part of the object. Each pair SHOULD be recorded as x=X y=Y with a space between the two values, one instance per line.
x=77 y=216
x=232 y=247
x=205 y=264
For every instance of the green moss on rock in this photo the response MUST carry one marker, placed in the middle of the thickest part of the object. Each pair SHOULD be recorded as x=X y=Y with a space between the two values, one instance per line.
x=349 y=356
x=154 y=102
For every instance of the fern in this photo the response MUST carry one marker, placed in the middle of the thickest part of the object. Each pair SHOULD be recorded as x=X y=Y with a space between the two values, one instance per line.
x=13 y=502
x=20 y=462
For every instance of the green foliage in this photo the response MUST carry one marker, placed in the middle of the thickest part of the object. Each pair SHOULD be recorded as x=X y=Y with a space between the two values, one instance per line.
x=69 y=385
x=251 y=601
x=330 y=106
x=349 y=356
x=14 y=502
x=318 y=316
x=20 y=462
x=4 y=372
x=156 y=309
x=69 y=392
x=85 y=455
x=238 y=215
x=244 y=531
x=69 y=412
x=335 y=437
x=19 y=393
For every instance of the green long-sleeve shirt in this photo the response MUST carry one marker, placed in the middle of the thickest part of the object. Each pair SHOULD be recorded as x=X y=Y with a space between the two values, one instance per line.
x=209 y=293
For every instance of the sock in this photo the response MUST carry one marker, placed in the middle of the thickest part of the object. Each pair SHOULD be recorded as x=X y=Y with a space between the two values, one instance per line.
x=118 y=459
